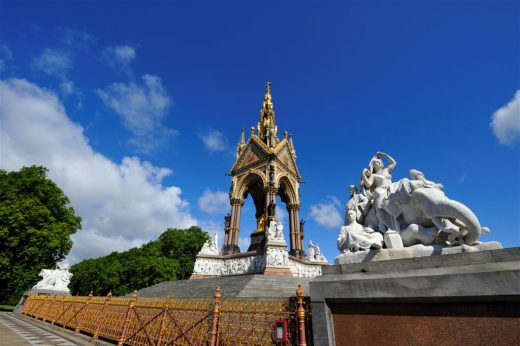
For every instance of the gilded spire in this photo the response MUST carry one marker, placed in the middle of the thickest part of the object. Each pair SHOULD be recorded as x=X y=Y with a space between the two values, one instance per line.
x=268 y=102
x=266 y=126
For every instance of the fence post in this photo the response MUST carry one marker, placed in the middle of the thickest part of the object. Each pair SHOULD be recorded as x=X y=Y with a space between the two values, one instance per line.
x=128 y=317
x=102 y=317
x=216 y=315
x=301 y=317
x=80 y=319
x=163 y=320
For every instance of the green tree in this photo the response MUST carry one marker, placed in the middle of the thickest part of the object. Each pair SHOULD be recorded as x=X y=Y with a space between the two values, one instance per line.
x=36 y=222
x=171 y=257
x=183 y=245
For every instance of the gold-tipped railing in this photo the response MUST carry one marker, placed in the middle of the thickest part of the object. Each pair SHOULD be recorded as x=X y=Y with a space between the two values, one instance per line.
x=169 y=321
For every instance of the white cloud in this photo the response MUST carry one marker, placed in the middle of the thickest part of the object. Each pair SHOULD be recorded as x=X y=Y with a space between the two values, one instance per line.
x=53 y=62
x=122 y=204
x=506 y=121
x=77 y=38
x=214 y=202
x=120 y=58
x=68 y=88
x=143 y=109
x=214 y=141
x=6 y=56
x=327 y=214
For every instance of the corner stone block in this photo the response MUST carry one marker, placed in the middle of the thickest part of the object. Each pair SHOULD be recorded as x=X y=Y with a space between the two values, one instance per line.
x=393 y=240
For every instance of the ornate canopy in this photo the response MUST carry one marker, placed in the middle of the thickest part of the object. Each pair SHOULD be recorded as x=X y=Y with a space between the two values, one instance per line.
x=265 y=167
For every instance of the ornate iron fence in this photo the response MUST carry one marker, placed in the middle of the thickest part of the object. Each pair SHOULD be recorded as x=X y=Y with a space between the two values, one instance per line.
x=144 y=321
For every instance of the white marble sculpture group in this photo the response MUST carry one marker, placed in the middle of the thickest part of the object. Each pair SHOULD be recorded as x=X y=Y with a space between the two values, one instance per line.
x=210 y=263
x=404 y=213
x=314 y=253
x=55 y=279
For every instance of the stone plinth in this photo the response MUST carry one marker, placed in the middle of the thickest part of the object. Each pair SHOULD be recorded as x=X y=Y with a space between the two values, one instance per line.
x=273 y=260
x=476 y=293
x=418 y=250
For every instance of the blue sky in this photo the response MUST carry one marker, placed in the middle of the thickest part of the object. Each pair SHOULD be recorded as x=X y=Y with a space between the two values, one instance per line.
x=137 y=107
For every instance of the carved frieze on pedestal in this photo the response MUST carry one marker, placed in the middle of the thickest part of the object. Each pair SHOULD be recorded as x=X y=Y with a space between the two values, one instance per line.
x=274 y=260
x=276 y=252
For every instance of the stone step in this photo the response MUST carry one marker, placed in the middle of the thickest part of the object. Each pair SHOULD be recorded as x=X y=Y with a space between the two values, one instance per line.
x=240 y=286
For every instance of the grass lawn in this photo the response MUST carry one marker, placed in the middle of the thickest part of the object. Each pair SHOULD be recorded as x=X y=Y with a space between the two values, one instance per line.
x=7 y=307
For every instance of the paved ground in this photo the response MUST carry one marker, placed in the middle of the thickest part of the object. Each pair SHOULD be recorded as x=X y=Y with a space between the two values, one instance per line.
x=14 y=332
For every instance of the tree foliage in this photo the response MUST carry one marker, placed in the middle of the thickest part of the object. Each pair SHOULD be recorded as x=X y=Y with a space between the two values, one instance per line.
x=171 y=257
x=36 y=222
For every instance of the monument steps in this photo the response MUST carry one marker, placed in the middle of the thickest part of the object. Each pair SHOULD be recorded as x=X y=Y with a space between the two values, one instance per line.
x=253 y=286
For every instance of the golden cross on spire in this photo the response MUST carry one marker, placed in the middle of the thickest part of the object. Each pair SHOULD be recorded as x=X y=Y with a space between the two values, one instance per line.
x=268 y=104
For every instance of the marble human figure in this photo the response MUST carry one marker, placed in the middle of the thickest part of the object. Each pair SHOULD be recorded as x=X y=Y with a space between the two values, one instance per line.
x=358 y=203
x=354 y=237
x=210 y=247
x=376 y=181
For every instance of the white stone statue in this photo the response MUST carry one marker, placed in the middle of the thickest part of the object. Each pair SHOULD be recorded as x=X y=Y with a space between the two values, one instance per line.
x=275 y=231
x=376 y=182
x=354 y=237
x=358 y=203
x=315 y=254
x=55 y=279
x=416 y=208
x=210 y=247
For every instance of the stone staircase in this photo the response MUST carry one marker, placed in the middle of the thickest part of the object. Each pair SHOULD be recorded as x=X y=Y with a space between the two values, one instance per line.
x=253 y=286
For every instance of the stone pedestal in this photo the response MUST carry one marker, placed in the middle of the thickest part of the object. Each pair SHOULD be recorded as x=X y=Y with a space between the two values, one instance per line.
x=277 y=258
x=257 y=241
x=417 y=300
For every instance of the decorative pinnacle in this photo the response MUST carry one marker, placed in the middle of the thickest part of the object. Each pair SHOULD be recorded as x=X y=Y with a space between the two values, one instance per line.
x=267 y=125
x=268 y=103
x=242 y=138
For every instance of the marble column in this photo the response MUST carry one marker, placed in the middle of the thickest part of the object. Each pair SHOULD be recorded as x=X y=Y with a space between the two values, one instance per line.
x=292 y=229
x=237 y=225
x=299 y=235
x=236 y=204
